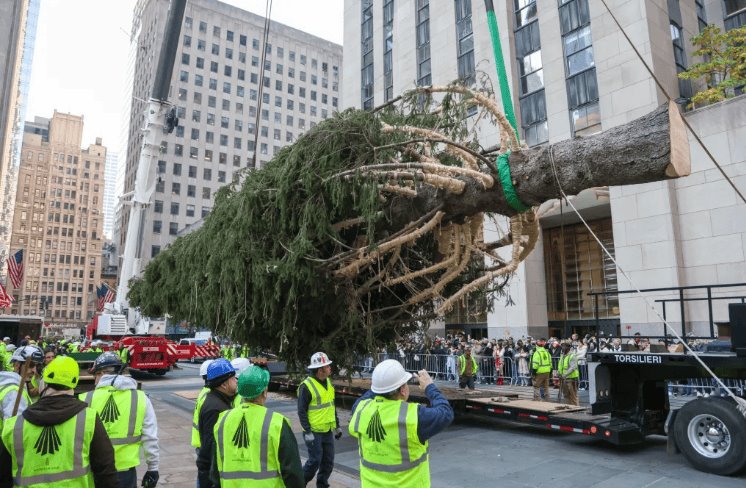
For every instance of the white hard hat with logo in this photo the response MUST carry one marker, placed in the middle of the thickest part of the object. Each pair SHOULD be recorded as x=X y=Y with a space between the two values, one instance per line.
x=388 y=376
x=240 y=364
x=319 y=360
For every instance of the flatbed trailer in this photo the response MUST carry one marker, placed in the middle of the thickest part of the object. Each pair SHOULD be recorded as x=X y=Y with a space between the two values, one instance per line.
x=629 y=400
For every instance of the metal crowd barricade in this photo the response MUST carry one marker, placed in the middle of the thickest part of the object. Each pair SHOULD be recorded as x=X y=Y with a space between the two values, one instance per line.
x=698 y=387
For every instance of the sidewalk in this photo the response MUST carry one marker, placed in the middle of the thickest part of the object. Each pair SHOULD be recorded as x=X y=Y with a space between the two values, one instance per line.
x=177 y=463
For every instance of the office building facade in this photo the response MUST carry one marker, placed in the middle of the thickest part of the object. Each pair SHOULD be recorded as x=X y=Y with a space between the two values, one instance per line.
x=217 y=83
x=573 y=74
x=58 y=221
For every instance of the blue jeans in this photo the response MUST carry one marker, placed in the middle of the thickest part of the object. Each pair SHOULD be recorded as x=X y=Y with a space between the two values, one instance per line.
x=128 y=478
x=320 y=458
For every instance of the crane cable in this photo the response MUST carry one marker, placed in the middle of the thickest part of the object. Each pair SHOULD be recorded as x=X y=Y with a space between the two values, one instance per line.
x=265 y=37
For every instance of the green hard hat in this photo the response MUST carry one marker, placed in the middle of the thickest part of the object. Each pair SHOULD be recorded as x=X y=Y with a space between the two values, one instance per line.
x=253 y=381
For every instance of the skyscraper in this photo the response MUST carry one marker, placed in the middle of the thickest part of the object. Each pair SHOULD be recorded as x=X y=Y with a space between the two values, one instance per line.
x=18 y=19
x=58 y=220
x=217 y=84
x=110 y=195
x=573 y=74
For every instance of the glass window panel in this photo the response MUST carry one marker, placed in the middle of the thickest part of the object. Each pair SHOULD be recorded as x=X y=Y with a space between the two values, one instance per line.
x=580 y=61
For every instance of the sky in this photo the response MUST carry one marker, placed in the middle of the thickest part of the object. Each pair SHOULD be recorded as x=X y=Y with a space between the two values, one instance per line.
x=82 y=48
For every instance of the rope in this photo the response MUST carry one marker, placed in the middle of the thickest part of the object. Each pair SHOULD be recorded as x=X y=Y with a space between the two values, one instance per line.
x=265 y=37
x=503 y=167
x=668 y=96
x=740 y=402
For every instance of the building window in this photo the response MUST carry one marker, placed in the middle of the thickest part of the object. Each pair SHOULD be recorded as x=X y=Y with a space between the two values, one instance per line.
x=156 y=227
x=158 y=206
x=173 y=228
x=735 y=14
x=190 y=210
x=388 y=50
x=174 y=208
x=424 y=69
x=465 y=37
x=679 y=56
x=366 y=38
x=530 y=70
x=154 y=250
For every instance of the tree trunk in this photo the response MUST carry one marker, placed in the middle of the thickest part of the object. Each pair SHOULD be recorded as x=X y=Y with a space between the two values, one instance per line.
x=651 y=148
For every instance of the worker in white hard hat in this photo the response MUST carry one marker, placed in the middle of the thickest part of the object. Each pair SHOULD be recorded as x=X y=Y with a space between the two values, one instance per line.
x=395 y=453
x=318 y=418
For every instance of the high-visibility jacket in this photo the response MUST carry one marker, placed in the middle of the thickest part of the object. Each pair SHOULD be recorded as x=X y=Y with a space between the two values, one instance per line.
x=123 y=354
x=564 y=365
x=391 y=453
x=34 y=384
x=51 y=456
x=122 y=413
x=196 y=441
x=462 y=364
x=227 y=352
x=541 y=361
x=321 y=410
x=6 y=389
x=247 y=443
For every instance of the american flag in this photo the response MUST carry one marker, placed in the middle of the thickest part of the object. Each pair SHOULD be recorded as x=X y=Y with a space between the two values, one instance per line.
x=5 y=299
x=105 y=295
x=15 y=268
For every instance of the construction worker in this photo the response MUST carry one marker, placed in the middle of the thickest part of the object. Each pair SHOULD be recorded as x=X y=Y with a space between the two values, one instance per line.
x=124 y=354
x=569 y=374
x=467 y=369
x=253 y=443
x=10 y=380
x=541 y=368
x=198 y=405
x=7 y=366
x=128 y=417
x=3 y=351
x=318 y=418
x=392 y=433
x=227 y=351
x=57 y=441
x=221 y=379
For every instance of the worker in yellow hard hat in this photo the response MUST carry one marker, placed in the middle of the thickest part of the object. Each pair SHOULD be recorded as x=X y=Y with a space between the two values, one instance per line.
x=63 y=441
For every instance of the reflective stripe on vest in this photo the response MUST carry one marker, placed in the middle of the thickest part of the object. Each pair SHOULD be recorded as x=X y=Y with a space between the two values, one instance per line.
x=402 y=417
x=321 y=412
x=564 y=365
x=246 y=418
x=544 y=363
x=80 y=470
x=5 y=390
x=196 y=441
x=125 y=437
x=462 y=364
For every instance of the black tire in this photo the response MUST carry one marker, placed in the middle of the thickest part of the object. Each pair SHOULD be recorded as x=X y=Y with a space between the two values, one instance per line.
x=711 y=434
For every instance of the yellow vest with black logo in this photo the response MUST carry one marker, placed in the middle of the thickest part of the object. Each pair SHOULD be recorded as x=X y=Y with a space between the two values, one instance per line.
x=52 y=456
x=247 y=444
x=321 y=413
x=541 y=361
x=391 y=453
x=564 y=365
x=196 y=441
x=122 y=412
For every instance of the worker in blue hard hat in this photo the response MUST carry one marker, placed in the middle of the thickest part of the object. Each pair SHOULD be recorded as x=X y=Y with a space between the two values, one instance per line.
x=254 y=443
x=223 y=384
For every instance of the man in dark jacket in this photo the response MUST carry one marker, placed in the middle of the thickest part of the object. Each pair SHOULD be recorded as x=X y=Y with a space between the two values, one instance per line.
x=223 y=385
x=56 y=411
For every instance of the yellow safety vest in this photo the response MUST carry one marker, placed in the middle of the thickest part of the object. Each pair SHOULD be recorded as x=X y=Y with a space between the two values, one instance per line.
x=247 y=441
x=391 y=453
x=321 y=412
x=564 y=365
x=34 y=384
x=462 y=364
x=4 y=390
x=122 y=413
x=541 y=361
x=196 y=441
x=51 y=456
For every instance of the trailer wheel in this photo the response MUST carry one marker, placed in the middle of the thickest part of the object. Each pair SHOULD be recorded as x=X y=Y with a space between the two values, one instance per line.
x=711 y=434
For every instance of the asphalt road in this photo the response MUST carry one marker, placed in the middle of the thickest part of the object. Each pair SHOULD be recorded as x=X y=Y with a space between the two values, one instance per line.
x=476 y=453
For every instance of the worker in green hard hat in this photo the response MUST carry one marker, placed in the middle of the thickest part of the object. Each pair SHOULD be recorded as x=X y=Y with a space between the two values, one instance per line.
x=242 y=433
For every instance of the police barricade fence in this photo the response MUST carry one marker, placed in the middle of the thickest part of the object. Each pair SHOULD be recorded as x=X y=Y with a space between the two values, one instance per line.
x=705 y=387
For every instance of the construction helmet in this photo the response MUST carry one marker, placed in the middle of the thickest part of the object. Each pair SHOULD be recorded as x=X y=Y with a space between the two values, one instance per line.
x=203 y=368
x=253 y=381
x=62 y=371
x=388 y=376
x=219 y=371
x=24 y=353
x=240 y=364
x=107 y=360
x=319 y=360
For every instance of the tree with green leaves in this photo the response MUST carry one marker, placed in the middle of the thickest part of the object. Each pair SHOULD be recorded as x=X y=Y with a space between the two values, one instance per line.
x=372 y=223
x=723 y=68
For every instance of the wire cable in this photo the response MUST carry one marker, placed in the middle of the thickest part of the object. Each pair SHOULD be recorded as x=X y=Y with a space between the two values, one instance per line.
x=668 y=96
x=265 y=37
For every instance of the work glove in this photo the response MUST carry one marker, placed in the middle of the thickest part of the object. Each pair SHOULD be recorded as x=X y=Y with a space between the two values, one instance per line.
x=337 y=433
x=150 y=479
x=308 y=437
